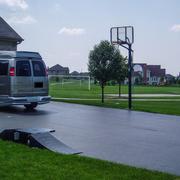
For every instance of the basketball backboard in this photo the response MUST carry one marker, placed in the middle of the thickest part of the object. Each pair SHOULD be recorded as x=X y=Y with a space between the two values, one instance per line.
x=122 y=35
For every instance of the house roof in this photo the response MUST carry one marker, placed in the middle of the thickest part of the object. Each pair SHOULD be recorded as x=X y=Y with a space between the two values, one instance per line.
x=8 y=33
x=84 y=73
x=169 y=76
x=156 y=70
x=58 y=67
x=75 y=73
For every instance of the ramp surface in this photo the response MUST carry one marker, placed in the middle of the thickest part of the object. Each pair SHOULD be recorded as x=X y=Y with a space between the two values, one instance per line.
x=35 y=130
x=37 y=137
x=48 y=141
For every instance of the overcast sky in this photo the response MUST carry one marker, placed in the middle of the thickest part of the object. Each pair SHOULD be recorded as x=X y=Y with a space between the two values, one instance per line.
x=64 y=31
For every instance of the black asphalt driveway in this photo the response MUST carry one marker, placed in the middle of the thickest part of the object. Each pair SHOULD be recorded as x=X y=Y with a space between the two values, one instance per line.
x=139 y=139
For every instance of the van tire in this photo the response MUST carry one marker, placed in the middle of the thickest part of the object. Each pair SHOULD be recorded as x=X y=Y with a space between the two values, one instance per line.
x=30 y=106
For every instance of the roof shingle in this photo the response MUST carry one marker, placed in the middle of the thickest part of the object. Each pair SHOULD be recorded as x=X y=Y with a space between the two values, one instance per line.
x=8 y=33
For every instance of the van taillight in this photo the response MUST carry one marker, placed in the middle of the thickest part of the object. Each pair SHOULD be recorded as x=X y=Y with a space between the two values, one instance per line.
x=12 y=71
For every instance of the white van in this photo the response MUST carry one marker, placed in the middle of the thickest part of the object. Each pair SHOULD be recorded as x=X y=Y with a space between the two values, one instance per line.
x=23 y=79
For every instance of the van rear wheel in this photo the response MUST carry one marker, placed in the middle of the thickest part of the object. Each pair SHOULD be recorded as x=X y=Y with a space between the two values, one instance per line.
x=30 y=106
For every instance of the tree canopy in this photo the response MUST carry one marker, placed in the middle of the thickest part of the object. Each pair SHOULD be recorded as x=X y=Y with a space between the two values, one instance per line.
x=105 y=63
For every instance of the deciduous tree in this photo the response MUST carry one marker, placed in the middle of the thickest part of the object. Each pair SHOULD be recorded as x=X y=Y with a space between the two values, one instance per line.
x=100 y=63
x=103 y=64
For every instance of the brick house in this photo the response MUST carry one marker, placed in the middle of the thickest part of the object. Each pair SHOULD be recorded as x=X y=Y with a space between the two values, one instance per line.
x=149 y=74
x=9 y=39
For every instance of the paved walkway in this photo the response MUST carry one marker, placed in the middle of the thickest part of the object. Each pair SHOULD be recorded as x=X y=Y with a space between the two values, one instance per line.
x=138 y=139
x=141 y=99
x=145 y=95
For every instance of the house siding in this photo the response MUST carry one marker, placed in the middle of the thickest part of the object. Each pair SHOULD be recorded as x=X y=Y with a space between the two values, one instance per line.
x=8 y=46
x=9 y=39
x=151 y=74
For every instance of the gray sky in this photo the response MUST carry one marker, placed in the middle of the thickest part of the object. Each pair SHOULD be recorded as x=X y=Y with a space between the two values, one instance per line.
x=64 y=31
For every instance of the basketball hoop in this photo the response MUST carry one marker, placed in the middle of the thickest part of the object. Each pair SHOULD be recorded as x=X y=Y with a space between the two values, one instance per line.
x=120 y=42
x=124 y=37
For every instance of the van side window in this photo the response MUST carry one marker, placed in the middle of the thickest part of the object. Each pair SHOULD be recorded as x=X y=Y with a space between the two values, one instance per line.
x=3 y=68
x=23 y=68
x=38 y=68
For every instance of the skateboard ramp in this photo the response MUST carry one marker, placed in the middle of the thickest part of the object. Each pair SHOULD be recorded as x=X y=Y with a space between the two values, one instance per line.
x=41 y=138
x=48 y=141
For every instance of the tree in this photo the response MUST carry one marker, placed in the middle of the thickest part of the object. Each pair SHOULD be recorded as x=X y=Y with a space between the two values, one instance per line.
x=172 y=81
x=178 y=81
x=120 y=71
x=102 y=60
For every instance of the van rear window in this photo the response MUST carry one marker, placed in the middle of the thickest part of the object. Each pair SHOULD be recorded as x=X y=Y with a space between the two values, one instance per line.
x=38 y=68
x=3 y=68
x=23 y=68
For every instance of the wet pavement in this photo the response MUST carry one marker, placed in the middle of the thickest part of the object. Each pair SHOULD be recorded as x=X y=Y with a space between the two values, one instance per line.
x=139 y=139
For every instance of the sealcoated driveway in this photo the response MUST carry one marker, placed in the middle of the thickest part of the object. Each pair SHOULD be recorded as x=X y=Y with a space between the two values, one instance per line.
x=139 y=139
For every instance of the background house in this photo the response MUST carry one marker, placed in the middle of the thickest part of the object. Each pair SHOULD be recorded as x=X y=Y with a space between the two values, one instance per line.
x=84 y=74
x=178 y=79
x=9 y=39
x=148 y=74
x=137 y=78
x=170 y=79
x=58 y=70
x=155 y=75
x=75 y=73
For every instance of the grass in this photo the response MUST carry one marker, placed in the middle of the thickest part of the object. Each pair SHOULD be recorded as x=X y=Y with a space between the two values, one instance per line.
x=20 y=162
x=75 y=91
x=172 y=107
x=164 y=107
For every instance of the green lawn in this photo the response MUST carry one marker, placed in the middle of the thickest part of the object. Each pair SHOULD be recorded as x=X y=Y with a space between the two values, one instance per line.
x=75 y=91
x=20 y=162
x=172 y=107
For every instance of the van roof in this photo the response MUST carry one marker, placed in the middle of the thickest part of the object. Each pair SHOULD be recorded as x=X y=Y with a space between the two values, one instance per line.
x=19 y=54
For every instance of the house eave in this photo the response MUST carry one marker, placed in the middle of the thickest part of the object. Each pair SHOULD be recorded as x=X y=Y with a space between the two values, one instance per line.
x=7 y=39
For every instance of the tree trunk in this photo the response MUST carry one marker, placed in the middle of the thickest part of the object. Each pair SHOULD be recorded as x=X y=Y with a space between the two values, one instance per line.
x=119 y=89
x=102 y=88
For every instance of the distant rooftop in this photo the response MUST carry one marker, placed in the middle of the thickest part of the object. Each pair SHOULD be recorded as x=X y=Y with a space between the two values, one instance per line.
x=58 y=67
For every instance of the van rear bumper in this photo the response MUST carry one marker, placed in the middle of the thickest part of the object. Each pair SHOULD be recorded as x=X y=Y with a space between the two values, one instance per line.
x=26 y=100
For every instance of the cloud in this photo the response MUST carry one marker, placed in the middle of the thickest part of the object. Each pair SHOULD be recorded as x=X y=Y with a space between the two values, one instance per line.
x=56 y=7
x=15 y=3
x=175 y=28
x=71 y=31
x=24 y=20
